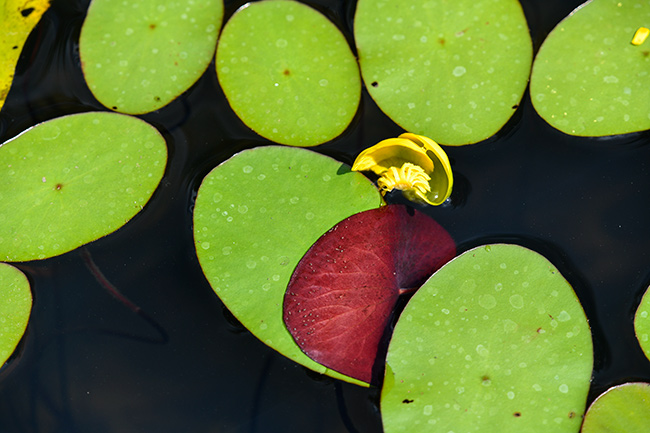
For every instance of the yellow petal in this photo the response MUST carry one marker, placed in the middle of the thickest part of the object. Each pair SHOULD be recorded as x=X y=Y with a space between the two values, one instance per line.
x=17 y=19
x=640 y=36
x=393 y=152
x=442 y=178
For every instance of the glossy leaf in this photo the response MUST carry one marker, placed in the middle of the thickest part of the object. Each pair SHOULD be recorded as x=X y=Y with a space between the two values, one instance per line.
x=588 y=78
x=15 y=307
x=452 y=71
x=288 y=72
x=256 y=215
x=74 y=179
x=621 y=409
x=343 y=292
x=139 y=55
x=17 y=19
x=642 y=324
x=495 y=341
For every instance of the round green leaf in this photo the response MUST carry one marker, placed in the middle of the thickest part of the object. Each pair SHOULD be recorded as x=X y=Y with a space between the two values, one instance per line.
x=495 y=341
x=621 y=409
x=452 y=71
x=15 y=306
x=588 y=79
x=256 y=215
x=74 y=179
x=138 y=55
x=642 y=324
x=288 y=73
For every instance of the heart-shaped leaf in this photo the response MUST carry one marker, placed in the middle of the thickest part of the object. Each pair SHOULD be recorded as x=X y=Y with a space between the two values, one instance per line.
x=588 y=78
x=74 y=179
x=642 y=324
x=343 y=292
x=288 y=72
x=453 y=71
x=495 y=341
x=137 y=56
x=621 y=409
x=256 y=215
x=15 y=306
x=17 y=18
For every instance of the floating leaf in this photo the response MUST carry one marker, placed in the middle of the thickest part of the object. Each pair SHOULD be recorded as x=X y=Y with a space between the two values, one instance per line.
x=137 y=56
x=74 y=179
x=288 y=73
x=15 y=306
x=642 y=324
x=343 y=292
x=256 y=215
x=588 y=78
x=18 y=18
x=452 y=71
x=621 y=409
x=495 y=341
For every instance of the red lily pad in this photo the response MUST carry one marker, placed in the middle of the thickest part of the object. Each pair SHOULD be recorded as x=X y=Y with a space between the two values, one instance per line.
x=343 y=292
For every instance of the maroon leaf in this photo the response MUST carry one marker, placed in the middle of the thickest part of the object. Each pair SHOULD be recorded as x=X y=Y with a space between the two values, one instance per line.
x=342 y=293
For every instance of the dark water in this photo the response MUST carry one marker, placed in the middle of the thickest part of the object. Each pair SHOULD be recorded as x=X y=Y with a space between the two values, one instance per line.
x=89 y=363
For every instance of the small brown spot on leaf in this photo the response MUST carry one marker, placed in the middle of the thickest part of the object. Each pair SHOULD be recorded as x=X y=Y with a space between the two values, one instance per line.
x=156 y=98
x=152 y=26
x=27 y=12
x=58 y=186
x=646 y=53
x=407 y=401
x=516 y=414
x=572 y=414
x=539 y=330
x=442 y=41
x=286 y=72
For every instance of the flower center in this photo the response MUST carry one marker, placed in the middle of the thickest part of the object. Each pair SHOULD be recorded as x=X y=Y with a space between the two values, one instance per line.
x=407 y=177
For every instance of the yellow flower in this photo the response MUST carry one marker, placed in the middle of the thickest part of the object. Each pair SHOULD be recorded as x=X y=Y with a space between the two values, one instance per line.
x=411 y=163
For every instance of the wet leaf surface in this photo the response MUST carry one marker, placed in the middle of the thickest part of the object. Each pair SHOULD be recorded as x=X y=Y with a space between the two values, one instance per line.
x=642 y=324
x=343 y=292
x=288 y=72
x=495 y=341
x=256 y=215
x=138 y=56
x=74 y=179
x=452 y=71
x=621 y=409
x=588 y=79
x=15 y=307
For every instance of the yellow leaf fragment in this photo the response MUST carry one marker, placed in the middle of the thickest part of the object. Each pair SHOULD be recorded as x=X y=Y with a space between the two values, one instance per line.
x=640 y=36
x=17 y=19
x=412 y=163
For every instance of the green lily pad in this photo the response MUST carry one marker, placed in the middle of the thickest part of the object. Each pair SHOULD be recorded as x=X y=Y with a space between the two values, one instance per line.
x=138 y=56
x=588 y=79
x=256 y=215
x=621 y=409
x=74 y=179
x=642 y=324
x=288 y=73
x=452 y=71
x=15 y=306
x=494 y=341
